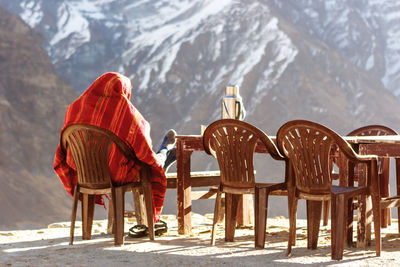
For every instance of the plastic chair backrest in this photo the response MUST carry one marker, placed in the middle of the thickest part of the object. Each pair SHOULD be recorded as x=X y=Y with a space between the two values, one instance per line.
x=232 y=143
x=308 y=146
x=90 y=148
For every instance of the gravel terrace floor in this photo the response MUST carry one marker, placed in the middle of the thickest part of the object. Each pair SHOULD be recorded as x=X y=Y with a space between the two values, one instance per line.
x=49 y=247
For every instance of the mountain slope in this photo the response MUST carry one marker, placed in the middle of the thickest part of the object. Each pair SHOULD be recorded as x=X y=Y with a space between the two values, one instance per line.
x=32 y=105
x=365 y=32
x=181 y=54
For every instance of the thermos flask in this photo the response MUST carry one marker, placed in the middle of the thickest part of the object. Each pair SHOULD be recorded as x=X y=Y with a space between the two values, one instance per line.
x=232 y=104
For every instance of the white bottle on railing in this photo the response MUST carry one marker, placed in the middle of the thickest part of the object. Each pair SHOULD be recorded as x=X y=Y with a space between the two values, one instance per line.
x=232 y=104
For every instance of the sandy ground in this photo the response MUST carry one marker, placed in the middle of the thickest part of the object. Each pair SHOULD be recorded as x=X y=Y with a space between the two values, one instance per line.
x=49 y=247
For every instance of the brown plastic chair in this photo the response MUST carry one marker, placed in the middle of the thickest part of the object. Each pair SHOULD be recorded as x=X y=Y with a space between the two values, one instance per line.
x=308 y=145
x=383 y=166
x=383 y=169
x=233 y=144
x=90 y=146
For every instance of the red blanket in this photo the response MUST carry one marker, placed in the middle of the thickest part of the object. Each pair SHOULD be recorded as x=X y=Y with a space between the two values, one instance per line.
x=106 y=104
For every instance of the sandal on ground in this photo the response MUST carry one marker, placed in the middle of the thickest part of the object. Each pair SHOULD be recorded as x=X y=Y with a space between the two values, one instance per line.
x=160 y=228
x=139 y=230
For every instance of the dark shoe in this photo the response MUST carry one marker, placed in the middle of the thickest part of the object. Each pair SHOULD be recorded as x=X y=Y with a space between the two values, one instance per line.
x=160 y=228
x=171 y=158
x=139 y=230
x=168 y=141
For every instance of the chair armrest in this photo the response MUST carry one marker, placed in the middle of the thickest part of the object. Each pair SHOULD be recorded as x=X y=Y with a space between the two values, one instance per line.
x=357 y=158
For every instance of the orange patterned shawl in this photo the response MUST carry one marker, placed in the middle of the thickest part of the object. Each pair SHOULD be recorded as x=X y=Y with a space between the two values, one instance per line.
x=106 y=104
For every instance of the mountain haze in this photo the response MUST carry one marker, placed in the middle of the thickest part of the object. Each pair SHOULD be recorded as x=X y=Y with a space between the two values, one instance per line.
x=32 y=105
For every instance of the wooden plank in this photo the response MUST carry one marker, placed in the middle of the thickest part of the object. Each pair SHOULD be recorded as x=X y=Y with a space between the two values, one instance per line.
x=208 y=194
x=382 y=150
x=197 y=179
x=195 y=182
x=390 y=202
x=195 y=174
x=171 y=183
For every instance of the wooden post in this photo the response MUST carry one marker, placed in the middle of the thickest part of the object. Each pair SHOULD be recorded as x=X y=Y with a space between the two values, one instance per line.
x=398 y=188
x=245 y=211
x=183 y=189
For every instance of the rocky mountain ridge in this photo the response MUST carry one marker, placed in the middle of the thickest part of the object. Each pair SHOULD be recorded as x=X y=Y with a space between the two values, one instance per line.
x=365 y=32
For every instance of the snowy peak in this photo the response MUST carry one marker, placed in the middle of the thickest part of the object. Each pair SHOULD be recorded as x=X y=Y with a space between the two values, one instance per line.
x=366 y=32
x=180 y=54
x=238 y=36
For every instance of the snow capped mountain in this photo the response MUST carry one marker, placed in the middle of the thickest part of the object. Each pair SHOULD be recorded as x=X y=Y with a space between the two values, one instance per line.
x=334 y=62
x=156 y=49
x=181 y=54
x=366 y=32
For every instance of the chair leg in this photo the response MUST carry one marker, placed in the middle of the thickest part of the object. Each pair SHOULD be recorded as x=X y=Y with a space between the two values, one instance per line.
x=87 y=215
x=375 y=196
x=398 y=190
x=363 y=224
x=140 y=211
x=369 y=217
x=110 y=217
x=149 y=207
x=231 y=209
x=119 y=208
x=349 y=169
x=261 y=213
x=384 y=191
x=325 y=216
x=73 y=215
x=292 y=208
x=349 y=225
x=221 y=214
x=398 y=218
x=338 y=225
x=216 y=215
x=377 y=227
x=313 y=222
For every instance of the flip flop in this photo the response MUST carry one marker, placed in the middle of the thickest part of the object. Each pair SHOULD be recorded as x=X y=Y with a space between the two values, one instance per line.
x=160 y=228
x=139 y=230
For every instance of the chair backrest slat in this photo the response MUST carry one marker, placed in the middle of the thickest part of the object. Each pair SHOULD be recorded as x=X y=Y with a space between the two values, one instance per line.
x=308 y=146
x=90 y=149
x=372 y=130
x=233 y=143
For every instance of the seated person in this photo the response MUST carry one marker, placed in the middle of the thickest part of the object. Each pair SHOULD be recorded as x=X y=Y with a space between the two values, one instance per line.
x=106 y=104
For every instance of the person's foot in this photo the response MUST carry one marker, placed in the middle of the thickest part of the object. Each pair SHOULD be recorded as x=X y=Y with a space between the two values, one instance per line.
x=171 y=158
x=168 y=141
